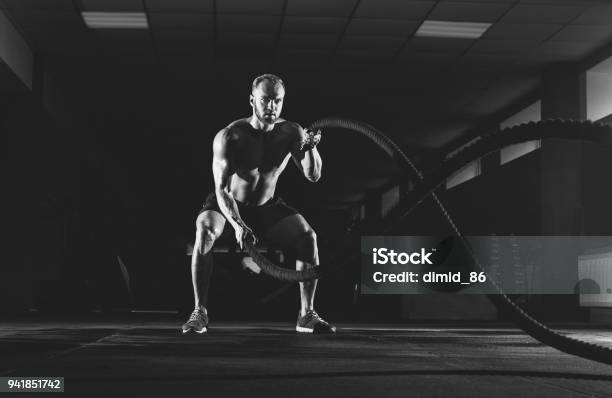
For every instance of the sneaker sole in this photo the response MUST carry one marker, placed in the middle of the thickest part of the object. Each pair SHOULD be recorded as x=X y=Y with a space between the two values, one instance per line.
x=301 y=329
x=196 y=331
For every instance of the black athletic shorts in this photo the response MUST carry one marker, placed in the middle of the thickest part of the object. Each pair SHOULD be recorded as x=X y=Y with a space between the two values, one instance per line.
x=259 y=218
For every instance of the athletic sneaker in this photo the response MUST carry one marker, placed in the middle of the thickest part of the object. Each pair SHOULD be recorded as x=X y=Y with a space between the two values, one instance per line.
x=313 y=323
x=197 y=322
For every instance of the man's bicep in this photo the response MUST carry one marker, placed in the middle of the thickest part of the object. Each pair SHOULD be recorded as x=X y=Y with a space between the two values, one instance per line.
x=222 y=171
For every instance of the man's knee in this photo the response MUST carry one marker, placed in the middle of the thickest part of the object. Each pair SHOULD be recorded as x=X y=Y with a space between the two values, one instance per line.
x=209 y=235
x=205 y=239
x=206 y=224
x=206 y=235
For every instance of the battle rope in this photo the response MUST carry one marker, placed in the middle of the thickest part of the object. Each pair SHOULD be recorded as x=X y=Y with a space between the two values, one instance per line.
x=580 y=130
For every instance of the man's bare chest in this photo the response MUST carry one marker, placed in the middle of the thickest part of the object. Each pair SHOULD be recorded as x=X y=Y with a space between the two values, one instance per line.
x=260 y=154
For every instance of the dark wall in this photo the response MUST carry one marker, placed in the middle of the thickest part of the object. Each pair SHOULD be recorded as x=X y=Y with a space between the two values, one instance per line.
x=42 y=190
x=597 y=190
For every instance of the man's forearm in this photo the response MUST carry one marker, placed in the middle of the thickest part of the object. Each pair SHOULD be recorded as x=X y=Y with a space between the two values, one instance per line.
x=311 y=164
x=228 y=207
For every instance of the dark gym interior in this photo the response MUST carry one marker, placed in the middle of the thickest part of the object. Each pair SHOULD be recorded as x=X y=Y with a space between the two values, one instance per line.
x=107 y=138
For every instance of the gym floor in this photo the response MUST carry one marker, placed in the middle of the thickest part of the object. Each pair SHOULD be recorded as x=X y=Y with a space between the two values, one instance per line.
x=150 y=356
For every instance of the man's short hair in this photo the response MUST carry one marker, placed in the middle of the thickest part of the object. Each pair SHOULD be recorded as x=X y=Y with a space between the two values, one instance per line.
x=275 y=80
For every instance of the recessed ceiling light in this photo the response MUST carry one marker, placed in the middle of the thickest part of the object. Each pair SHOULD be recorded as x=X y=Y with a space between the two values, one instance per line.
x=115 y=20
x=459 y=30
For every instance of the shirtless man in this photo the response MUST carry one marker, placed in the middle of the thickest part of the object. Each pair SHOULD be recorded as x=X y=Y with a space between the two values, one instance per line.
x=248 y=157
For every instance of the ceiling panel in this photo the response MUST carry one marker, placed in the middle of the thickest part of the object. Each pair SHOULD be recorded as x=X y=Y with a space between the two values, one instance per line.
x=419 y=67
x=313 y=25
x=112 y=5
x=52 y=19
x=131 y=43
x=246 y=40
x=372 y=43
x=38 y=4
x=235 y=66
x=503 y=46
x=299 y=55
x=599 y=14
x=259 y=7
x=495 y=60
x=186 y=67
x=490 y=1
x=284 y=69
x=597 y=33
x=63 y=44
x=537 y=60
x=534 y=13
x=563 y=2
x=46 y=33
x=437 y=45
x=186 y=6
x=254 y=24
x=382 y=27
x=182 y=61
x=422 y=63
x=336 y=8
x=186 y=44
x=291 y=57
x=192 y=47
x=129 y=37
x=470 y=75
x=366 y=53
x=571 y=49
x=362 y=58
x=397 y=9
x=185 y=55
x=305 y=41
x=349 y=71
x=172 y=21
x=251 y=66
x=177 y=35
x=469 y=12
x=512 y=31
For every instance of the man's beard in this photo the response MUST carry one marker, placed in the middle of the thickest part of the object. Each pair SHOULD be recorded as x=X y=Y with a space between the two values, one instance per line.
x=266 y=118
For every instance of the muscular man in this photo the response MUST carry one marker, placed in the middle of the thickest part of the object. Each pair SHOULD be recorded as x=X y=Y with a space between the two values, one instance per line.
x=248 y=157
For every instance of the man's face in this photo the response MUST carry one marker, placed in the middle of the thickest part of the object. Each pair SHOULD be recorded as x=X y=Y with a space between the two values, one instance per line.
x=267 y=101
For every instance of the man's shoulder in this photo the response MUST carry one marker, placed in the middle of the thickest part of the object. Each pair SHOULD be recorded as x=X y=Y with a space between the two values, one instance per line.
x=289 y=128
x=288 y=125
x=233 y=130
x=237 y=126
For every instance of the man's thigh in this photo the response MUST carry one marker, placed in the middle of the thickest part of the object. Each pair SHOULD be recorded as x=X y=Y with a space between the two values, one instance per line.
x=287 y=231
